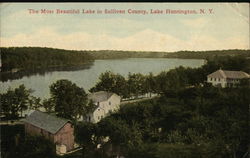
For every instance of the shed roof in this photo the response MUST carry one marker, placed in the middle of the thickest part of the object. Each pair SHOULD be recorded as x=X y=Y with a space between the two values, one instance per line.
x=229 y=74
x=45 y=121
x=100 y=96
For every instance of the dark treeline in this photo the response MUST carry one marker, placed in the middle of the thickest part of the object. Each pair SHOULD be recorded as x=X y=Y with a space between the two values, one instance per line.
x=117 y=54
x=36 y=58
x=16 y=58
x=5 y=76
x=207 y=54
x=112 y=54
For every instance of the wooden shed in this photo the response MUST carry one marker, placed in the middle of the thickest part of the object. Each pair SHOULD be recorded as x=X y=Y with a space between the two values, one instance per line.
x=58 y=130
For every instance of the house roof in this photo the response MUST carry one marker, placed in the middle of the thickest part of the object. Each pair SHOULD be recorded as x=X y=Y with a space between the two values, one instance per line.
x=100 y=96
x=45 y=121
x=229 y=74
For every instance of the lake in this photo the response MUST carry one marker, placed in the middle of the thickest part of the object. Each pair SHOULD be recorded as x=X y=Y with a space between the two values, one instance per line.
x=87 y=77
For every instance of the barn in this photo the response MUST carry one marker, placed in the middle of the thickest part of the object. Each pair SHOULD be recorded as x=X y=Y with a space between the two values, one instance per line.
x=58 y=130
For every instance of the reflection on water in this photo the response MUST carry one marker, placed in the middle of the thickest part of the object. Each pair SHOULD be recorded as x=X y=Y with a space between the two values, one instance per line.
x=5 y=76
x=86 y=76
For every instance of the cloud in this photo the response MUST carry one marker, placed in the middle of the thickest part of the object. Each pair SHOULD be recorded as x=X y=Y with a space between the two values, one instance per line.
x=145 y=40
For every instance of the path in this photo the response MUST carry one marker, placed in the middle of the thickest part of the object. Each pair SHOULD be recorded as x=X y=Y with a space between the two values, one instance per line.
x=137 y=100
x=10 y=122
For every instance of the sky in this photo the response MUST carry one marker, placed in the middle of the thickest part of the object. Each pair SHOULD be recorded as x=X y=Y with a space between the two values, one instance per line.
x=226 y=27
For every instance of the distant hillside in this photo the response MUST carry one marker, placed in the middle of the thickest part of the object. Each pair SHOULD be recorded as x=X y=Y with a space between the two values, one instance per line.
x=207 y=54
x=109 y=54
x=38 y=57
x=113 y=54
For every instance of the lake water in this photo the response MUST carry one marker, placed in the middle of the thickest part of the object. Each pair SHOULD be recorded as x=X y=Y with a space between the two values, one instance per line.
x=88 y=77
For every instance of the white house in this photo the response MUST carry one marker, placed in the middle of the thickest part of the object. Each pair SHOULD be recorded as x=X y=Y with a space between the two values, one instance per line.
x=225 y=78
x=106 y=103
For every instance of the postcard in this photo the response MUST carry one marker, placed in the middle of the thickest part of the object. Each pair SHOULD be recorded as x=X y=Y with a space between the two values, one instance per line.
x=124 y=80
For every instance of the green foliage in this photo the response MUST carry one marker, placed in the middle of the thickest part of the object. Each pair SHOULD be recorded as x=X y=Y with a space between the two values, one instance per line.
x=31 y=147
x=70 y=100
x=173 y=80
x=211 y=123
x=111 y=54
x=237 y=63
x=207 y=54
x=189 y=151
x=122 y=136
x=37 y=57
x=136 y=84
x=10 y=137
x=48 y=105
x=35 y=102
x=85 y=136
x=111 y=82
x=14 y=143
x=14 y=102
x=84 y=133
x=146 y=150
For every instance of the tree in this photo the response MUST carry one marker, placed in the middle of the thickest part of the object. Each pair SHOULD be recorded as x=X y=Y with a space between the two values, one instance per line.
x=70 y=100
x=33 y=146
x=111 y=82
x=85 y=136
x=150 y=84
x=136 y=84
x=35 y=102
x=14 y=102
x=175 y=80
x=48 y=105
x=122 y=137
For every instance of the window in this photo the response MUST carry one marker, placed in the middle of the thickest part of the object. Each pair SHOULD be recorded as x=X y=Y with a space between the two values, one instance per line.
x=214 y=79
x=98 y=109
x=211 y=79
x=109 y=102
x=98 y=117
x=219 y=79
x=98 y=103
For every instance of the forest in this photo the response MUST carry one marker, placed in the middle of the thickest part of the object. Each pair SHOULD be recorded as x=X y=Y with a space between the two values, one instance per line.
x=34 y=58
x=23 y=58
x=197 y=122
x=208 y=54
x=189 y=118
x=110 y=54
